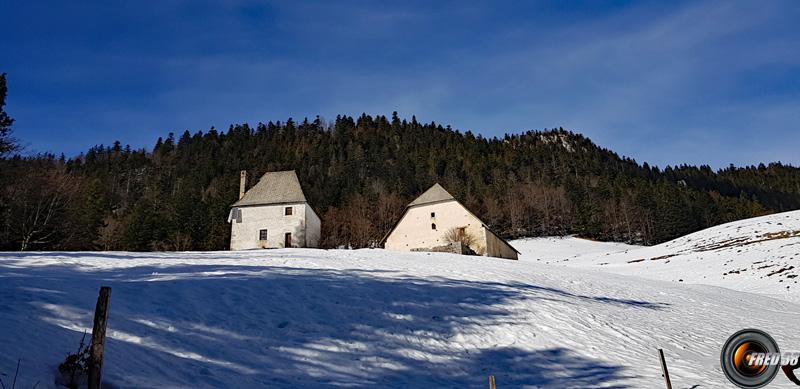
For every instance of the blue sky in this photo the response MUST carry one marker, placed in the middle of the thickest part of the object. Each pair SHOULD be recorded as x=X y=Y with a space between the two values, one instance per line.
x=663 y=82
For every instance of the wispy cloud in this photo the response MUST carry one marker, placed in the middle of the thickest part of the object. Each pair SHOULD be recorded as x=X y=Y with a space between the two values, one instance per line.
x=697 y=82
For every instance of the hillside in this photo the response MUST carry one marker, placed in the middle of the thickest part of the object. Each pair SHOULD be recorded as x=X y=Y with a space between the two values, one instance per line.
x=760 y=255
x=358 y=174
x=369 y=318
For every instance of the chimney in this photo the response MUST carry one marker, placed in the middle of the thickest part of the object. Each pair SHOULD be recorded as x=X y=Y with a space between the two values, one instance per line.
x=242 y=183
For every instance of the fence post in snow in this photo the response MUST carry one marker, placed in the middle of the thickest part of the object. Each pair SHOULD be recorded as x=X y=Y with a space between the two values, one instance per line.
x=491 y=382
x=98 y=338
x=664 y=371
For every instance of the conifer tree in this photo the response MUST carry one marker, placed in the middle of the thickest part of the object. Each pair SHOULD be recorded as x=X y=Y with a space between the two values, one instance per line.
x=7 y=143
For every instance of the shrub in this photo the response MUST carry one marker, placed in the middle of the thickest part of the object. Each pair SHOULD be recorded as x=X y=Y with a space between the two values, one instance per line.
x=75 y=367
x=459 y=235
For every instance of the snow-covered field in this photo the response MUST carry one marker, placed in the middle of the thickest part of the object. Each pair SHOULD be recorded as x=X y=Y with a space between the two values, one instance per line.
x=374 y=318
x=760 y=255
x=559 y=249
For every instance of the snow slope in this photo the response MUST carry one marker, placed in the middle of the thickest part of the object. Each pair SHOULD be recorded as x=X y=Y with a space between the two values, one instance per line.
x=556 y=249
x=369 y=318
x=760 y=255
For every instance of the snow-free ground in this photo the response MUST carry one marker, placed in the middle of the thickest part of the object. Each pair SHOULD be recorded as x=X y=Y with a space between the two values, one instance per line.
x=374 y=318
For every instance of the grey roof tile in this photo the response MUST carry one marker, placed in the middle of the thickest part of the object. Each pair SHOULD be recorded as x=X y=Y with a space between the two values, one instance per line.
x=433 y=195
x=274 y=188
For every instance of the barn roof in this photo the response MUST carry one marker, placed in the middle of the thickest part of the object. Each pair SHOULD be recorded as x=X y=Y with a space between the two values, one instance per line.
x=274 y=188
x=433 y=195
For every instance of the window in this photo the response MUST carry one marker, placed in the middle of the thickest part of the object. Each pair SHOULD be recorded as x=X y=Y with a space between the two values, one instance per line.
x=433 y=215
x=262 y=235
x=235 y=215
x=287 y=211
x=433 y=226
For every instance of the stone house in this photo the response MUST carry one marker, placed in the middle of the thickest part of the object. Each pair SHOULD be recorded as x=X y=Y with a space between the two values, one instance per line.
x=273 y=213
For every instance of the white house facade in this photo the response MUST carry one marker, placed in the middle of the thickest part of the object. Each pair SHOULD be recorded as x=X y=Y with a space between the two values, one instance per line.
x=273 y=214
x=428 y=219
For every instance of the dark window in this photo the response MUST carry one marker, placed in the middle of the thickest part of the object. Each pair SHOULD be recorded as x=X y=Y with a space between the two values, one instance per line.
x=262 y=235
x=433 y=214
x=288 y=211
x=433 y=226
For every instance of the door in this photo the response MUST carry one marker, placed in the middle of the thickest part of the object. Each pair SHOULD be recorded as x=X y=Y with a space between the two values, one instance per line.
x=287 y=240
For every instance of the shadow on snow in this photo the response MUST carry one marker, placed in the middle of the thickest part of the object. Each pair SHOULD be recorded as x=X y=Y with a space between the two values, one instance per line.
x=268 y=326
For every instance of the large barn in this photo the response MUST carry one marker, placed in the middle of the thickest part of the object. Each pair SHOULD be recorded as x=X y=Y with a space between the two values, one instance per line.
x=436 y=219
x=273 y=214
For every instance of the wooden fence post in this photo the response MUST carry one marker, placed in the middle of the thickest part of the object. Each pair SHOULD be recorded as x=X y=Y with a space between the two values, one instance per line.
x=664 y=371
x=491 y=382
x=98 y=338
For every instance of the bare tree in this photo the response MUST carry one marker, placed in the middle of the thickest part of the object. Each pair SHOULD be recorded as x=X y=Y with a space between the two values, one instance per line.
x=494 y=210
x=350 y=226
x=359 y=229
x=108 y=236
x=389 y=207
x=37 y=203
x=331 y=228
x=459 y=235
x=175 y=242
x=517 y=207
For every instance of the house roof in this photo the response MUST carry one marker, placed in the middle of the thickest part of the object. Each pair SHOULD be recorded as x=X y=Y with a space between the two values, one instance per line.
x=274 y=188
x=433 y=195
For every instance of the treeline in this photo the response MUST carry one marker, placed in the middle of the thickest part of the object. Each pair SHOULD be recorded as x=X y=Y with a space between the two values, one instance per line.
x=358 y=174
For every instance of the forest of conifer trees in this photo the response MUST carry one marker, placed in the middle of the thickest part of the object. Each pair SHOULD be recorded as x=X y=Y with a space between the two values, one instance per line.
x=358 y=174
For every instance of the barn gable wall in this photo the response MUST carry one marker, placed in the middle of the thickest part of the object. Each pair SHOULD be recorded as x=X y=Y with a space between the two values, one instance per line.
x=414 y=230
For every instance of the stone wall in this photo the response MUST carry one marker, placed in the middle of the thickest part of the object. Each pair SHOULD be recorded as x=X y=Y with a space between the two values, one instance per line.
x=453 y=248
